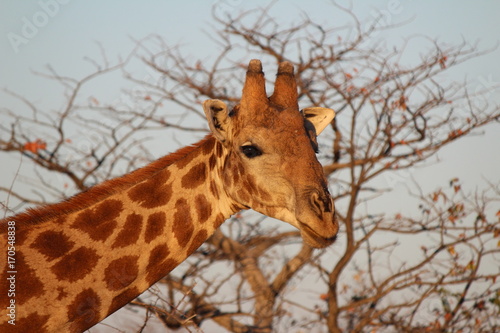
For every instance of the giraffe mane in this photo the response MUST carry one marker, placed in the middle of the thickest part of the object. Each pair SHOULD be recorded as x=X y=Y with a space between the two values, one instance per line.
x=103 y=190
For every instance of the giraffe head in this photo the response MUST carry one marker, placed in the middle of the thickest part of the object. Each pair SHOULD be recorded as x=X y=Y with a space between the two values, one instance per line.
x=270 y=163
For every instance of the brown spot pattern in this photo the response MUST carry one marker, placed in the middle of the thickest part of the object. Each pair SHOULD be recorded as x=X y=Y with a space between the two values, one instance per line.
x=155 y=268
x=121 y=272
x=130 y=232
x=161 y=270
x=218 y=150
x=264 y=195
x=212 y=161
x=228 y=161
x=32 y=323
x=159 y=253
x=155 y=225
x=84 y=311
x=60 y=220
x=241 y=169
x=169 y=265
x=21 y=235
x=99 y=222
x=53 y=244
x=230 y=169
x=203 y=208
x=183 y=225
x=153 y=192
x=214 y=190
x=236 y=176
x=76 y=265
x=4 y=286
x=62 y=293
x=219 y=220
x=227 y=179
x=243 y=195
x=185 y=160
x=208 y=147
x=28 y=285
x=249 y=184
x=194 y=177
x=123 y=298
x=201 y=236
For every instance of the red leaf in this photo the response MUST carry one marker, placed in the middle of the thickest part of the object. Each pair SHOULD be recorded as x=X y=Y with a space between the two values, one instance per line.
x=402 y=103
x=455 y=133
x=34 y=146
x=442 y=61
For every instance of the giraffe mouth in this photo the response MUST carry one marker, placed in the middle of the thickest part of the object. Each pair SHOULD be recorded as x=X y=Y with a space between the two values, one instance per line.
x=313 y=238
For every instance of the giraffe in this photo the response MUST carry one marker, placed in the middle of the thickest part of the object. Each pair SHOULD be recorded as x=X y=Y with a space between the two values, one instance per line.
x=82 y=259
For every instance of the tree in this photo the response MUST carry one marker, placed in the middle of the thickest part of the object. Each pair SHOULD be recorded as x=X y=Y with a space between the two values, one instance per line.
x=433 y=269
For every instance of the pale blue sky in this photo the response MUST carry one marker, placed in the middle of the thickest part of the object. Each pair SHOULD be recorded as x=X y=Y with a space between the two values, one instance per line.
x=69 y=31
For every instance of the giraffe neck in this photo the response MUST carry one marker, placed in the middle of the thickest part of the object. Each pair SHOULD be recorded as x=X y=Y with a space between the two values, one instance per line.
x=78 y=267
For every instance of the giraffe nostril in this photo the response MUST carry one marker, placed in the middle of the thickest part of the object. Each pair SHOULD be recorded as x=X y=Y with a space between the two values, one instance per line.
x=316 y=204
x=321 y=203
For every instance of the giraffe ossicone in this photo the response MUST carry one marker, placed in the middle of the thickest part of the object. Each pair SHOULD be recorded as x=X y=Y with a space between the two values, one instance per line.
x=80 y=260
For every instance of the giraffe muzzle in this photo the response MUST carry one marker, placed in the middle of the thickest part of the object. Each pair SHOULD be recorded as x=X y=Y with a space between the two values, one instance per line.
x=316 y=240
x=318 y=222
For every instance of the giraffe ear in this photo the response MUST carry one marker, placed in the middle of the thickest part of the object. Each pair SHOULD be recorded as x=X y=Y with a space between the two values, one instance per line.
x=218 y=118
x=319 y=117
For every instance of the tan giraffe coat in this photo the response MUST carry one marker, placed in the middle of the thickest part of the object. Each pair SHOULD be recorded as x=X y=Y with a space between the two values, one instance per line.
x=80 y=260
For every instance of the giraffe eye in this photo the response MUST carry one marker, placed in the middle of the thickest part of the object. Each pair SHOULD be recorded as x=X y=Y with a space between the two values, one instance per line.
x=251 y=151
